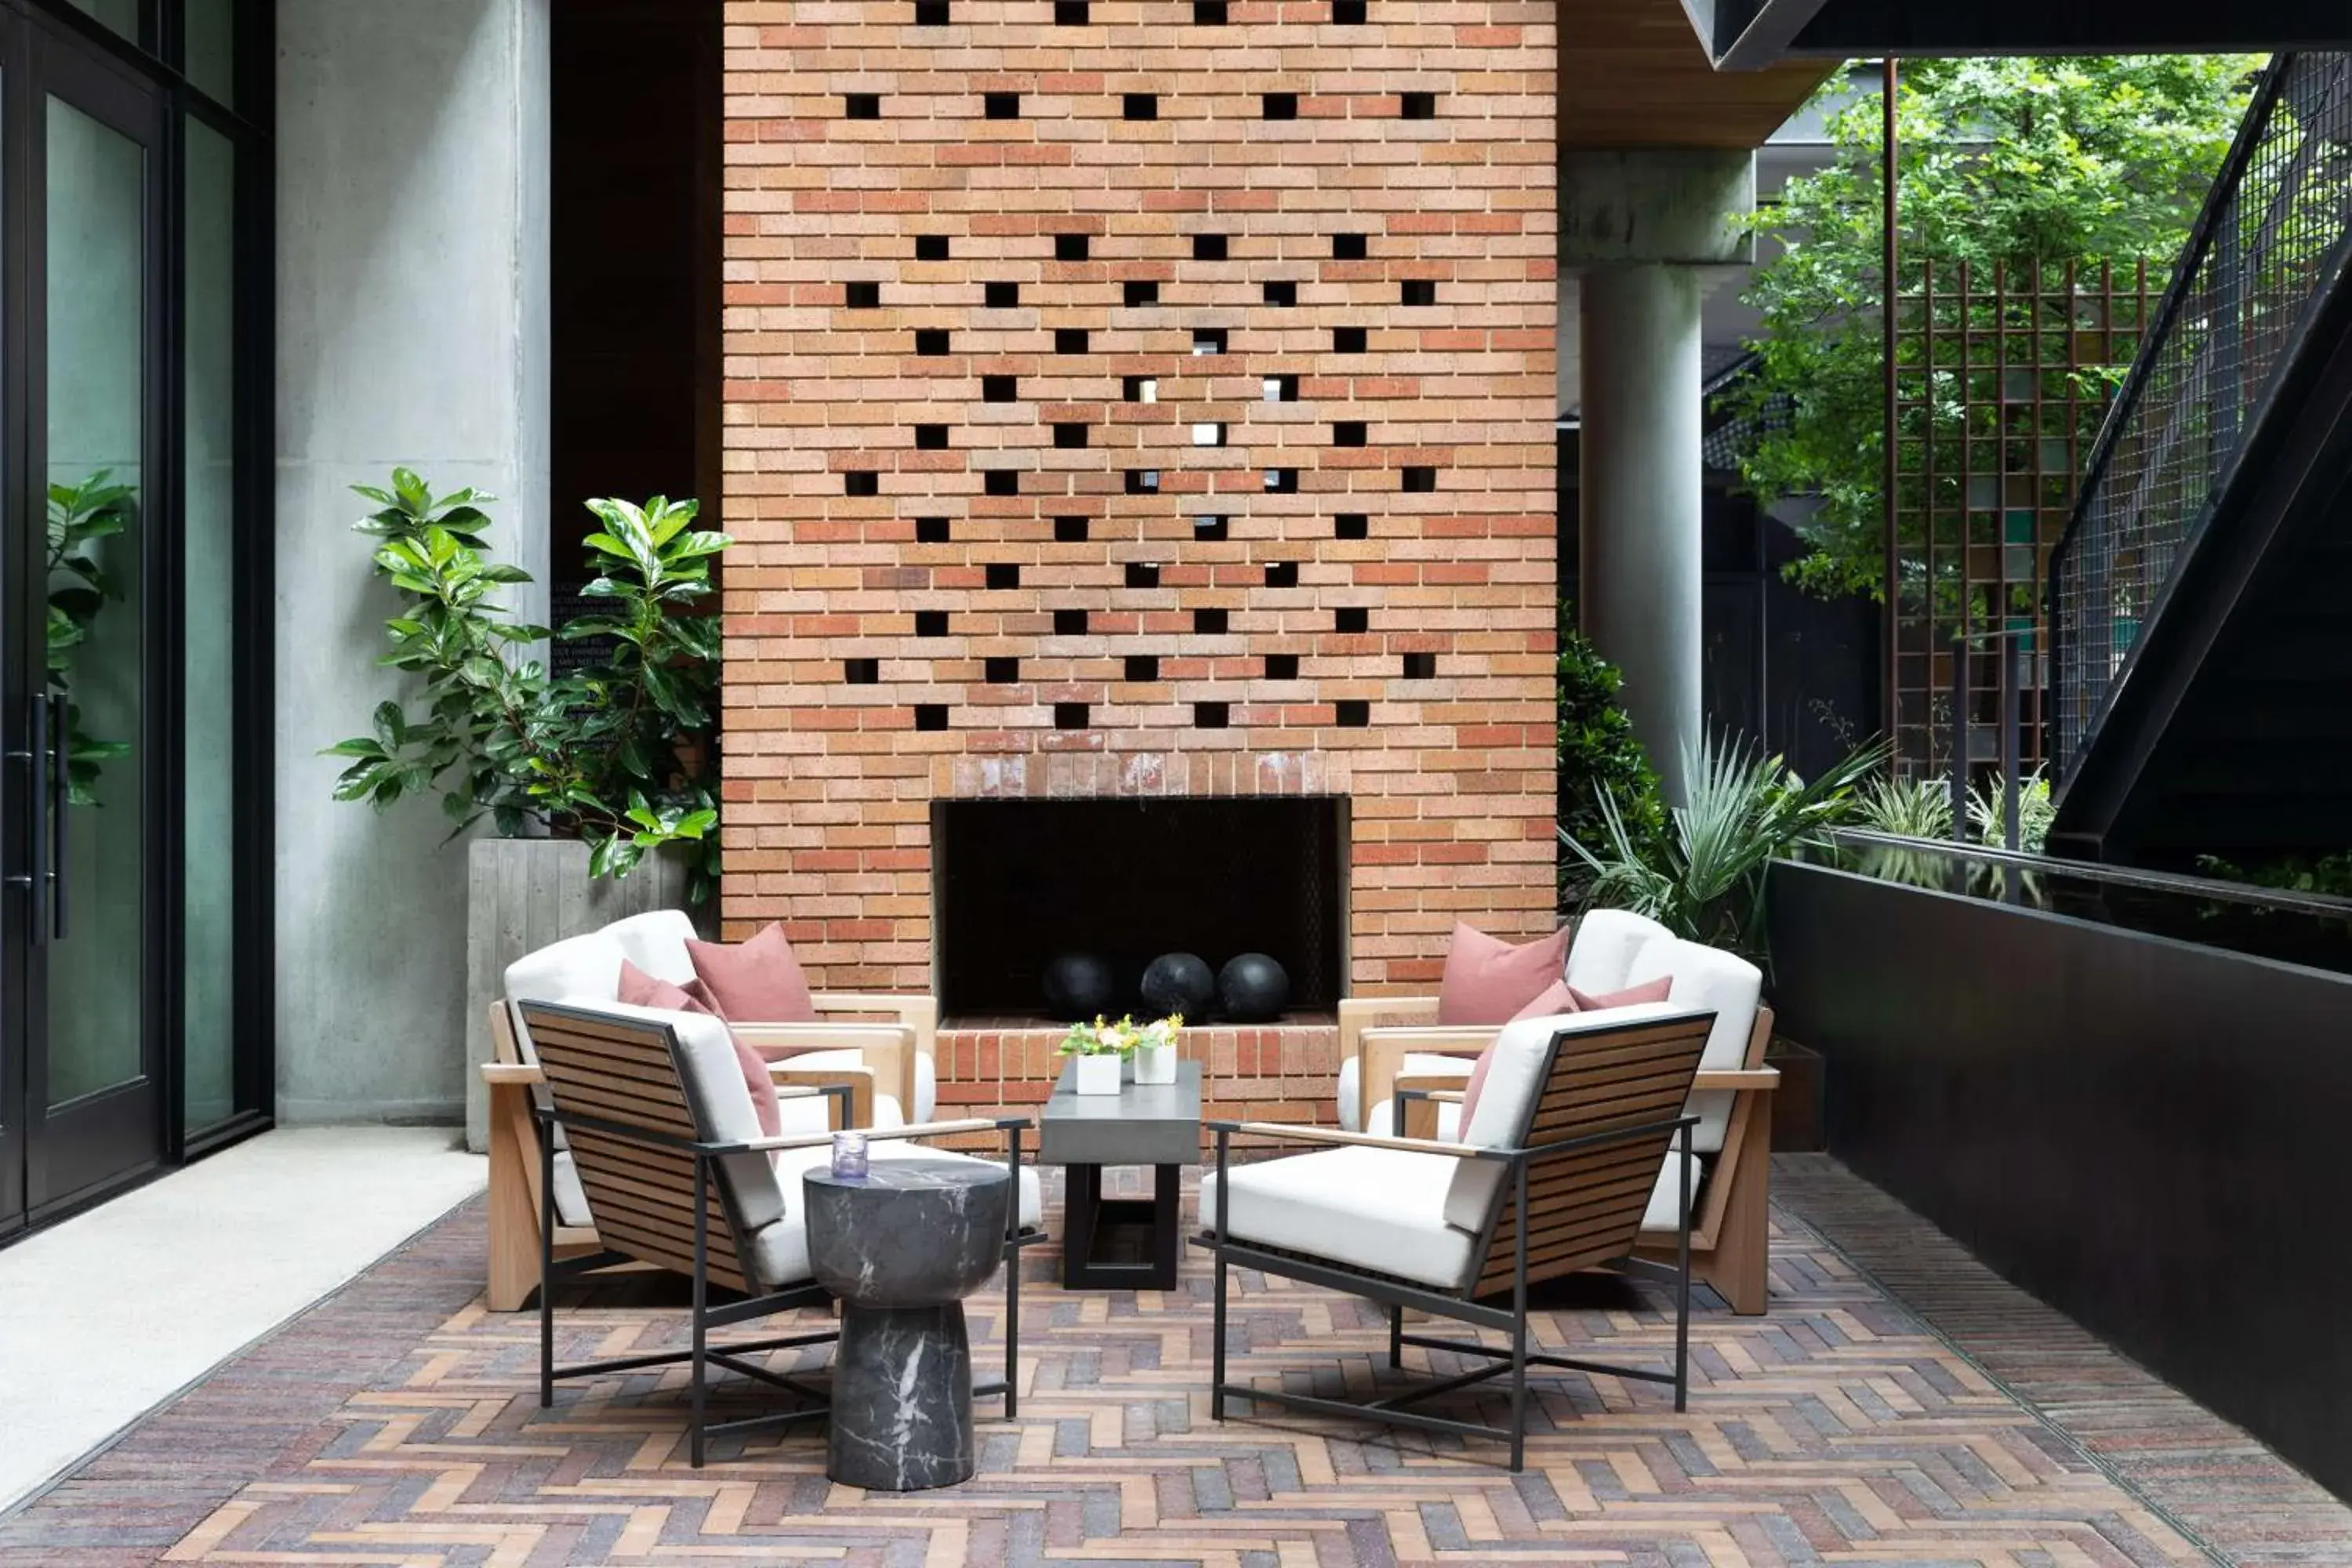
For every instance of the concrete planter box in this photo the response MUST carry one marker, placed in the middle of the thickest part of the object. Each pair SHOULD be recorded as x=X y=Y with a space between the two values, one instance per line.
x=522 y=894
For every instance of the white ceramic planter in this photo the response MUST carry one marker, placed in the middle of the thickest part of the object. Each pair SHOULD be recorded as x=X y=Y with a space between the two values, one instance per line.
x=1155 y=1064
x=1096 y=1075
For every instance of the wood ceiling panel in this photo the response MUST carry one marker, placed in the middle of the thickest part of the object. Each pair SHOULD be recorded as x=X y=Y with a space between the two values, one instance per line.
x=1633 y=73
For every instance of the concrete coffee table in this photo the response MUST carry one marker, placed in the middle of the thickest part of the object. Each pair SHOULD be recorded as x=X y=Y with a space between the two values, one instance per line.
x=902 y=1247
x=1155 y=1124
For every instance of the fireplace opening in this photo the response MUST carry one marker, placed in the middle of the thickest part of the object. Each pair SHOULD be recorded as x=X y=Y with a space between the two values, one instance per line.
x=1018 y=883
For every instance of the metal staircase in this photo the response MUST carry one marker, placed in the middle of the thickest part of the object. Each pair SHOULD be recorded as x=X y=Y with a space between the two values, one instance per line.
x=2202 y=594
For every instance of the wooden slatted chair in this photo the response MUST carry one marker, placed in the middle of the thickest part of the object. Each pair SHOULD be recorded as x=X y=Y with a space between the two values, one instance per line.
x=1552 y=1176
x=1395 y=1058
x=667 y=1151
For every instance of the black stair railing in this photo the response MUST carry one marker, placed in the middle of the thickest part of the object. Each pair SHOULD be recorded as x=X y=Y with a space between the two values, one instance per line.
x=2274 y=232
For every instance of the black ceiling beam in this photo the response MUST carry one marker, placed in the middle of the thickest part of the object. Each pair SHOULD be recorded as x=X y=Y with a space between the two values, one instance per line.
x=1846 y=30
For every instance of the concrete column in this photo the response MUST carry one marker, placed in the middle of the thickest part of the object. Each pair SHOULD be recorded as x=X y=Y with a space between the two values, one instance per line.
x=413 y=322
x=1640 y=521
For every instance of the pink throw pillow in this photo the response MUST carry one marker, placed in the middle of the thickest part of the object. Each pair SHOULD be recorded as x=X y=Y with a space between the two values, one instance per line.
x=1556 y=998
x=1488 y=980
x=1474 y=1089
x=1648 y=991
x=754 y=981
x=639 y=989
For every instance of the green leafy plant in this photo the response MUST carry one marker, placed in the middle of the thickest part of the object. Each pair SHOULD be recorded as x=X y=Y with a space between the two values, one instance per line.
x=1599 y=760
x=1124 y=1038
x=618 y=754
x=1704 y=879
x=2019 y=160
x=79 y=586
x=1906 y=807
x=1989 y=809
x=2324 y=875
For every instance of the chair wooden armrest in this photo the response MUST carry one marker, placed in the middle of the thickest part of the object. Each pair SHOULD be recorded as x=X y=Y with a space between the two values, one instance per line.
x=497 y=1073
x=1357 y=1013
x=1386 y=1047
x=1765 y=1079
x=916 y=1014
x=886 y=1050
x=799 y=1083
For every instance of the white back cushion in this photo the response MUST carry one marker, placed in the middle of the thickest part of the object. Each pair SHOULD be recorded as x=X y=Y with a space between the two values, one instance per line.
x=721 y=1106
x=584 y=970
x=1605 y=946
x=655 y=942
x=1708 y=977
x=1505 y=1100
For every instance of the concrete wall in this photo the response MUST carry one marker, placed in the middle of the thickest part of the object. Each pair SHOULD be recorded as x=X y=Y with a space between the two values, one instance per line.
x=413 y=328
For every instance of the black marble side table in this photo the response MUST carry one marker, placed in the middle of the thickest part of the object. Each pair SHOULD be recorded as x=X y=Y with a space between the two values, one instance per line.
x=901 y=1248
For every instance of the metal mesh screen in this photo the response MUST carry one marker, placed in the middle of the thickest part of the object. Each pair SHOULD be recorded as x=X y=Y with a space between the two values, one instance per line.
x=2274 y=230
x=2002 y=376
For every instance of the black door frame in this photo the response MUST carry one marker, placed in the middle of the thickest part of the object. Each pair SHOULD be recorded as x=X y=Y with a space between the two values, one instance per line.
x=48 y=44
x=116 y=1135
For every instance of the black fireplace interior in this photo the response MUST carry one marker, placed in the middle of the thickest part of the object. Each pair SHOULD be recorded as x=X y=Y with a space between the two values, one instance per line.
x=1017 y=882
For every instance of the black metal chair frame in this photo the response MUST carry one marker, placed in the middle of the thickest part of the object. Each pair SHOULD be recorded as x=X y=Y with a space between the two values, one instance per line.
x=1398 y=1295
x=700 y=1356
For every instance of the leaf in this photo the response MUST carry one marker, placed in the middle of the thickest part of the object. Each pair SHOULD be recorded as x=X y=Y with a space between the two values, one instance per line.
x=391 y=725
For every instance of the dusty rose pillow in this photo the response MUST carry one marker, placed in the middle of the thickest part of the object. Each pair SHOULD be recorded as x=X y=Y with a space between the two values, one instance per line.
x=1474 y=1089
x=1556 y=998
x=1488 y=980
x=1648 y=991
x=754 y=981
x=639 y=989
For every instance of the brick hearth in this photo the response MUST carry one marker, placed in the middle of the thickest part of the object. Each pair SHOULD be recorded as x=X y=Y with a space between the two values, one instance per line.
x=1138 y=398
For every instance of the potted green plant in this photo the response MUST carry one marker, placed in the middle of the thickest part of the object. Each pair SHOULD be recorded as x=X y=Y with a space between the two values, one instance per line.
x=598 y=784
x=1097 y=1051
x=1102 y=1050
x=1155 y=1049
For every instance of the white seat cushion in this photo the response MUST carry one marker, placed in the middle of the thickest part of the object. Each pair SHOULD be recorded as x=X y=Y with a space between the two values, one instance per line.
x=1380 y=1209
x=815 y=1114
x=655 y=942
x=780 y=1249
x=1660 y=1216
x=1418 y=1064
x=571 y=1197
x=1607 y=942
x=580 y=971
x=1507 y=1100
x=1449 y=1120
x=1707 y=978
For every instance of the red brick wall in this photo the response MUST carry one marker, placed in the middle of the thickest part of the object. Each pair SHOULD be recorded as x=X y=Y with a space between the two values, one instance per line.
x=1448 y=757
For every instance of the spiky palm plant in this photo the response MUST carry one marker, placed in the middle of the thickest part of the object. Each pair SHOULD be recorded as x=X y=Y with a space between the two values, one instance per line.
x=1704 y=879
x=1988 y=813
x=1906 y=807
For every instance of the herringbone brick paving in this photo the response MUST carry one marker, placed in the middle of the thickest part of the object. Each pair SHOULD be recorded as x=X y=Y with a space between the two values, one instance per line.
x=398 y=1425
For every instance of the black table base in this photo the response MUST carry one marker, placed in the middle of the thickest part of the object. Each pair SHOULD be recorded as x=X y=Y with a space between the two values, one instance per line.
x=1120 y=1244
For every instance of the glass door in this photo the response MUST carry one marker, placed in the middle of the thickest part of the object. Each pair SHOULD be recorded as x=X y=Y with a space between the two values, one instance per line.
x=85 y=748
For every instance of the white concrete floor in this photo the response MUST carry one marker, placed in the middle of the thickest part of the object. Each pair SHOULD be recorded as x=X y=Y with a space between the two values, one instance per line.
x=107 y=1315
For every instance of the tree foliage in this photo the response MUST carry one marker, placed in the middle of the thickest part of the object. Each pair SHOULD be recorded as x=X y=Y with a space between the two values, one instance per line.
x=618 y=754
x=2019 y=160
x=1600 y=760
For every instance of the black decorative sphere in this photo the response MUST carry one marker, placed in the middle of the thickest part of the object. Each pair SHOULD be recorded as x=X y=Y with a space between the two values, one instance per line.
x=1254 y=988
x=1078 y=985
x=1178 y=983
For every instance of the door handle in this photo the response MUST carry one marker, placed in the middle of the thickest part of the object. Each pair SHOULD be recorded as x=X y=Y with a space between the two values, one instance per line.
x=60 y=806
x=39 y=774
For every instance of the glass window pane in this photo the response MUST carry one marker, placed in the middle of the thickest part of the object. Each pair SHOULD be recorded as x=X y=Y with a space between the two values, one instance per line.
x=123 y=15
x=96 y=262
x=208 y=671
x=209 y=32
